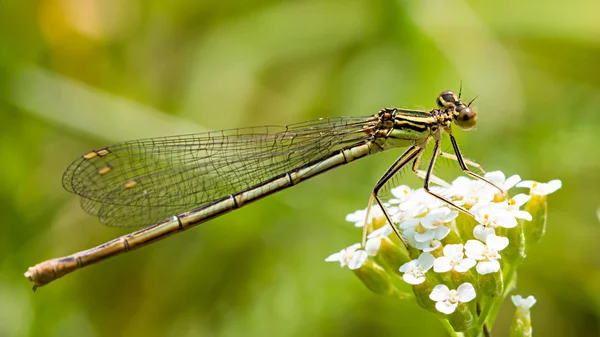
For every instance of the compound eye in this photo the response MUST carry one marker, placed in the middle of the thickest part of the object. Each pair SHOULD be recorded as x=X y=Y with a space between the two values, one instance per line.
x=447 y=99
x=465 y=117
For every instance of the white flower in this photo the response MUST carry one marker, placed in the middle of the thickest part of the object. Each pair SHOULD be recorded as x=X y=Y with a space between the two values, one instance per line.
x=515 y=203
x=434 y=224
x=491 y=216
x=433 y=244
x=453 y=258
x=447 y=300
x=438 y=218
x=541 y=188
x=374 y=239
x=487 y=255
x=467 y=192
x=401 y=194
x=523 y=303
x=359 y=216
x=425 y=233
x=498 y=178
x=419 y=202
x=414 y=271
x=351 y=257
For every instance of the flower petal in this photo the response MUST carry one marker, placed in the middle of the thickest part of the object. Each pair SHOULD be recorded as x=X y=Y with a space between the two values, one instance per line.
x=520 y=199
x=488 y=267
x=441 y=232
x=496 y=242
x=372 y=246
x=526 y=183
x=440 y=293
x=442 y=265
x=474 y=249
x=497 y=177
x=522 y=215
x=524 y=303
x=412 y=279
x=333 y=257
x=357 y=260
x=425 y=236
x=454 y=251
x=445 y=307
x=465 y=265
x=553 y=186
x=426 y=260
x=466 y=292
x=429 y=246
x=481 y=232
x=410 y=223
x=408 y=265
x=511 y=182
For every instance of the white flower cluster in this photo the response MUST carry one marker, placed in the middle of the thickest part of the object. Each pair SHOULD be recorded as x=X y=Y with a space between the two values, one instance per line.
x=424 y=222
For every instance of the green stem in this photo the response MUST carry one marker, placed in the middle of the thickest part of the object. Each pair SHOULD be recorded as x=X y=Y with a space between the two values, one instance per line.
x=487 y=307
x=509 y=284
x=450 y=330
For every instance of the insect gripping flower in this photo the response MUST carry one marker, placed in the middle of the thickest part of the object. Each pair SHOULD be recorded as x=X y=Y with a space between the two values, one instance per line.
x=439 y=247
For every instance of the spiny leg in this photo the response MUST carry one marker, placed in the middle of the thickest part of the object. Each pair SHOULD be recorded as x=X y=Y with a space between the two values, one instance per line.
x=436 y=148
x=404 y=159
x=421 y=174
x=465 y=169
x=467 y=161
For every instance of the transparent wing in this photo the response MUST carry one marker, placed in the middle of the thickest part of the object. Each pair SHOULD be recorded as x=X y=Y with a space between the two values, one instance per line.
x=144 y=181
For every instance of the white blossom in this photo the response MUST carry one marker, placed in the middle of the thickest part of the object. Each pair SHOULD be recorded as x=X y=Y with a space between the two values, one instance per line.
x=490 y=216
x=419 y=203
x=447 y=300
x=351 y=257
x=500 y=180
x=487 y=255
x=454 y=258
x=541 y=189
x=438 y=218
x=358 y=217
x=401 y=194
x=523 y=303
x=433 y=244
x=467 y=192
x=515 y=203
x=425 y=233
x=414 y=271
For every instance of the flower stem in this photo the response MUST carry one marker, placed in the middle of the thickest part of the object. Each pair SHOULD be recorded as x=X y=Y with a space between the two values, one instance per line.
x=450 y=329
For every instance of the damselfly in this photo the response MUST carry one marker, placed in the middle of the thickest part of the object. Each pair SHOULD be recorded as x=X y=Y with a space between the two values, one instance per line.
x=175 y=183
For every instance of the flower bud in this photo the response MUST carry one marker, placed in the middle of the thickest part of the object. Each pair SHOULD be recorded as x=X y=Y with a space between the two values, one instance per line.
x=422 y=292
x=465 y=225
x=462 y=318
x=491 y=284
x=375 y=278
x=521 y=326
x=514 y=253
x=460 y=278
x=533 y=230
x=391 y=256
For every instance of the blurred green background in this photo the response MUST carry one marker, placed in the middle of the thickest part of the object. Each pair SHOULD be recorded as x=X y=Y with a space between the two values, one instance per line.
x=79 y=74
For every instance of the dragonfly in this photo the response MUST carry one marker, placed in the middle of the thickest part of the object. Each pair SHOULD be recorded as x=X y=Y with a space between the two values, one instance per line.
x=171 y=184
